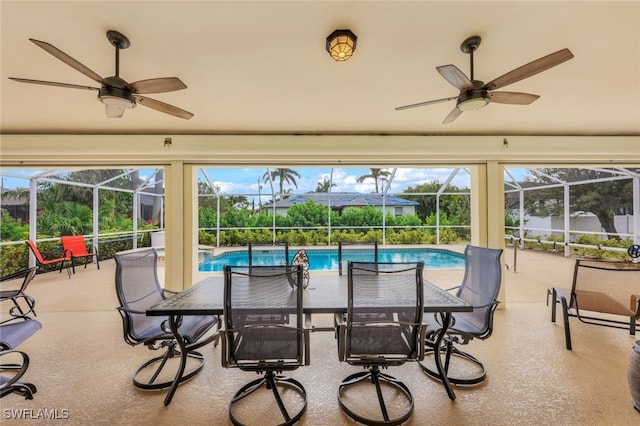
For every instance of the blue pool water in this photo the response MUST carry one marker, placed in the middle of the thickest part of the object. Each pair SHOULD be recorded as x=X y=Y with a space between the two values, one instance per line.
x=327 y=259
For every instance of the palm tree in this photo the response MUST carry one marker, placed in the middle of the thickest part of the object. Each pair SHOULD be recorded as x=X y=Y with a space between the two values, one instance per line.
x=325 y=185
x=282 y=176
x=377 y=175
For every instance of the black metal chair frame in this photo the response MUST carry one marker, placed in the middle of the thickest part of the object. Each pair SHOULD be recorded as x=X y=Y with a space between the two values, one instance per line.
x=164 y=338
x=461 y=335
x=271 y=369
x=374 y=362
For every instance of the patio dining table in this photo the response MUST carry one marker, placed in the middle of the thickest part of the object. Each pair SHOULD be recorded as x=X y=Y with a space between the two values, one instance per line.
x=327 y=294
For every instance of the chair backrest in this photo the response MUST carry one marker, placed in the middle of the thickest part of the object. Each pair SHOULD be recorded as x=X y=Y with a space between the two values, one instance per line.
x=138 y=288
x=263 y=318
x=384 y=312
x=605 y=286
x=34 y=249
x=278 y=253
x=74 y=245
x=357 y=252
x=480 y=287
x=27 y=276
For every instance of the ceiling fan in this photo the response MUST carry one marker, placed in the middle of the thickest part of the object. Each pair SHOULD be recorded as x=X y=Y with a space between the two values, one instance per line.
x=114 y=92
x=475 y=94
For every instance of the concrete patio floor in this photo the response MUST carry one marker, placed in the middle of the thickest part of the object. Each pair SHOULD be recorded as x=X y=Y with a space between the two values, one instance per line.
x=82 y=367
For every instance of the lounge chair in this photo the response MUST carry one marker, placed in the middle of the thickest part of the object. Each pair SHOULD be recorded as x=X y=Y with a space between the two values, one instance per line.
x=47 y=262
x=75 y=247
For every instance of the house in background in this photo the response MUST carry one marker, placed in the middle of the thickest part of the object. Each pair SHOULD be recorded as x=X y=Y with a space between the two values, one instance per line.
x=341 y=200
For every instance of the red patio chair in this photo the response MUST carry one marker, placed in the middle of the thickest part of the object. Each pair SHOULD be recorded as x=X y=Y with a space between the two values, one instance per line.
x=75 y=247
x=44 y=262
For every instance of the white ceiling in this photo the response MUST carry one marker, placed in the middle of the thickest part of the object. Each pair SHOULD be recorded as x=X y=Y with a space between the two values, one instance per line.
x=261 y=67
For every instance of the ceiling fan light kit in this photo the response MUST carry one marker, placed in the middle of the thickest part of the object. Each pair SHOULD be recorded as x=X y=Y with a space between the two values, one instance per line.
x=115 y=92
x=341 y=44
x=475 y=94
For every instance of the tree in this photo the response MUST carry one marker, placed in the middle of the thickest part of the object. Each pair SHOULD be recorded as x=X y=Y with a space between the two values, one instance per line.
x=281 y=176
x=324 y=185
x=378 y=175
x=602 y=198
x=455 y=206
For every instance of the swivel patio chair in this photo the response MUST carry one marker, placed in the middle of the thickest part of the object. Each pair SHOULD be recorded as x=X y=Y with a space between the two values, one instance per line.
x=356 y=251
x=383 y=328
x=480 y=287
x=75 y=247
x=15 y=294
x=47 y=262
x=263 y=332
x=278 y=252
x=16 y=327
x=138 y=288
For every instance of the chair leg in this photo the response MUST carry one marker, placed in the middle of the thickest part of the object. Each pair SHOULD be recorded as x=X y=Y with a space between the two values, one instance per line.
x=271 y=381
x=158 y=363
x=450 y=351
x=376 y=377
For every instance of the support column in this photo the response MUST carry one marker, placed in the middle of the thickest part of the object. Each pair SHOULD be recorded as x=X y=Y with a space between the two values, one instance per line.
x=174 y=233
x=487 y=211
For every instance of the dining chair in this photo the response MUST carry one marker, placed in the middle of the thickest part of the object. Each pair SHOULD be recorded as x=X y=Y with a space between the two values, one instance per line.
x=263 y=332
x=356 y=251
x=137 y=289
x=480 y=287
x=16 y=326
x=75 y=247
x=47 y=262
x=14 y=295
x=382 y=328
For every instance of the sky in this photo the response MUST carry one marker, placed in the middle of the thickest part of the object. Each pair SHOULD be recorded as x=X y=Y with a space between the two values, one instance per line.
x=247 y=180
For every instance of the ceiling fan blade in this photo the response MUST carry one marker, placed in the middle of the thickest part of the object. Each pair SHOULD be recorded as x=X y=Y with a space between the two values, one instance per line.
x=532 y=68
x=53 y=83
x=419 y=104
x=453 y=75
x=157 y=85
x=162 y=107
x=455 y=113
x=68 y=60
x=514 y=98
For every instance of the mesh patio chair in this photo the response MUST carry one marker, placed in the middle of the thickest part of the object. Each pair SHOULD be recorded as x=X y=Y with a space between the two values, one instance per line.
x=14 y=295
x=65 y=259
x=356 y=251
x=383 y=328
x=480 y=287
x=138 y=288
x=16 y=326
x=278 y=253
x=75 y=247
x=264 y=333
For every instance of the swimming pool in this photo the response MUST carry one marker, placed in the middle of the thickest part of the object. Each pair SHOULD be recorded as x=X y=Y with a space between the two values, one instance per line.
x=327 y=259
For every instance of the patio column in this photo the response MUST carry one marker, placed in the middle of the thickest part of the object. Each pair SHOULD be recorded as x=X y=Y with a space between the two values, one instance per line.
x=487 y=210
x=176 y=275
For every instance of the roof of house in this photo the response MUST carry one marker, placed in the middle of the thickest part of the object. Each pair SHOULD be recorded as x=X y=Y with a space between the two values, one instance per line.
x=343 y=199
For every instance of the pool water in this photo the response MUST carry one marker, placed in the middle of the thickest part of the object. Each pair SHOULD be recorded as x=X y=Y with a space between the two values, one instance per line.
x=327 y=259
